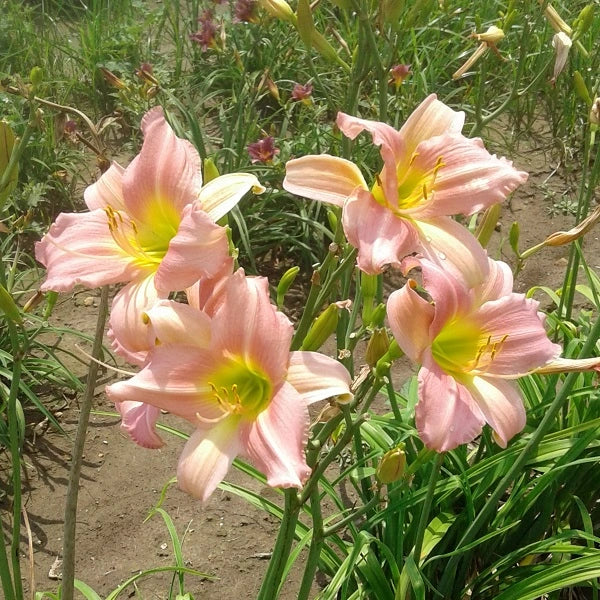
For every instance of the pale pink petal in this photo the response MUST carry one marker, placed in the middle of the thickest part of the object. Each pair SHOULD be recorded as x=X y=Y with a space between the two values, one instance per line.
x=165 y=176
x=446 y=415
x=448 y=293
x=469 y=179
x=138 y=421
x=410 y=317
x=323 y=177
x=128 y=333
x=501 y=404
x=453 y=248
x=208 y=293
x=381 y=237
x=518 y=342
x=79 y=248
x=206 y=458
x=429 y=119
x=247 y=325
x=317 y=377
x=275 y=441
x=221 y=194
x=176 y=323
x=498 y=283
x=392 y=144
x=107 y=191
x=175 y=379
x=199 y=249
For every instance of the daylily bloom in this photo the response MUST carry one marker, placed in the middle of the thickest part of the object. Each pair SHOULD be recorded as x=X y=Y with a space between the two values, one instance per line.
x=430 y=172
x=151 y=225
x=263 y=151
x=245 y=11
x=399 y=73
x=205 y=37
x=302 y=93
x=233 y=377
x=561 y=43
x=470 y=344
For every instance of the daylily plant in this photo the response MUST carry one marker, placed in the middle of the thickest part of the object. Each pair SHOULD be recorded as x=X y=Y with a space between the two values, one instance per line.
x=431 y=171
x=233 y=377
x=151 y=225
x=470 y=344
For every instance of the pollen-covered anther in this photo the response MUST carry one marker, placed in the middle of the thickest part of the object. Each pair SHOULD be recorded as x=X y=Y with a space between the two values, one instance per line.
x=488 y=349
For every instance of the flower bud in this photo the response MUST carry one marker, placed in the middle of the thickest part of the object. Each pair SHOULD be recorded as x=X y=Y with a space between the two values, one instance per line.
x=210 y=170
x=560 y=238
x=112 y=79
x=285 y=283
x=488 y=224
x=377 y=346
x=7 y=142
x=368 y=285
x=392 y=465
x=555 y=20
x=323 y=326
x=492 y=36
x=581 y=89
x=279 y=9
x=378 y=315
x=36 y=76
x=584 y=21
x=561 y=43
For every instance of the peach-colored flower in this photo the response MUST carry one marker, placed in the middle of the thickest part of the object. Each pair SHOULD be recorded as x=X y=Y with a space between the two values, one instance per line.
x=430 y=172
x=470 y=344
x=232 y=375
x=151 y=225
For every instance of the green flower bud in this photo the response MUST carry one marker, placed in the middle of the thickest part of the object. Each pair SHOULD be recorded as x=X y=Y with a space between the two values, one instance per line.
x=488 y=224
x=378 y=315
x=584 y=21
x=392 y=465
x=279 y=9
x=377 y=346
x=7 y=143
x=581 y=89
x=285 y=283
x=513 y=237
x=7 y=304
x=368 y=285
x=36 y=76
x=210 y=170
x=323 y=326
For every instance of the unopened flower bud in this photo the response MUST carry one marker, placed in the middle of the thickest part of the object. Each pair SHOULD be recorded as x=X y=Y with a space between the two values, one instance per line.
x=392 y=465
x=323 y=326
x=368 y=285
x=209 y=170
x=581 y=89
x=112 y=79
x=377 y=346
x=555 y=20
x=285 y=283
x=36 y=76
x=378 y=315
x=272 y=87
x=492 y=36
x=584 y=21
x=560 y=238
x=561 y=43
x=279 y=9
x=8 y=306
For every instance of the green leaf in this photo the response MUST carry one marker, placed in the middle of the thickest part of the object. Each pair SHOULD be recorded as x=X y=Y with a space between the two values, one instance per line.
x=7 y=144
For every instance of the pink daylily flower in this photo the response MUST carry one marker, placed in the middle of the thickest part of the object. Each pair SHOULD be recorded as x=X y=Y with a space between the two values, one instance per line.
x=151 y=225
x=232 y=375
x=431 y=171
x=470 y=343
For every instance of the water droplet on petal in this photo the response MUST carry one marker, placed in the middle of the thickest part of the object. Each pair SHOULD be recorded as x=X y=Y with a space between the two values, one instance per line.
x=451 y=428
x=442 y=256
x=428 y=239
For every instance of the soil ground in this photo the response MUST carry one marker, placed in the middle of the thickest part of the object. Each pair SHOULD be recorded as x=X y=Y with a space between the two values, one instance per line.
x=227 y=539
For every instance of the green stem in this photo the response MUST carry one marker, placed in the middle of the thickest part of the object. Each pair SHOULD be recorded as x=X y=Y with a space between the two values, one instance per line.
x=68 y=578
x=283 y=545
x=316 y=544
x=492 y=503
x=424 y=518
x=355 y=514
x=5 y=577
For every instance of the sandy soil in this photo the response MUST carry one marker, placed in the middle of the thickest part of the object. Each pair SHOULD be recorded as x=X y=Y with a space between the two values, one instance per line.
x=228 y=539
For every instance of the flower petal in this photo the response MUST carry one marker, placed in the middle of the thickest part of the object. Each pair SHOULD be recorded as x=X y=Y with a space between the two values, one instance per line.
x=323 y=177
x=518 y=341
x=501 y=404
x=138 y=421
x=275 y=441
x=176 y=323
x=208 y=293
x=107 y=191
x=79 y=248
x=429 y=119
x=165 y=176
x=200 y=248
x=453 y=248
x=446 y=415
x=206 y=458
x=174 y=379
x=221 y=194
x=381 y=237
x=498 y=283
x=130 y=337
x=570 y=365
x=249 y=326
x=410 y=318
x=469 y=180
x=317 y=377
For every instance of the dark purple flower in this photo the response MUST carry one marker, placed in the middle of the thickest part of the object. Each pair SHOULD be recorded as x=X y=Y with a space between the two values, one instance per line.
x=399 y=73
x=245 y=11
x=302 y=93
x=205 y=36
x=263 y=151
